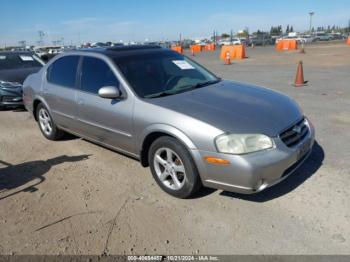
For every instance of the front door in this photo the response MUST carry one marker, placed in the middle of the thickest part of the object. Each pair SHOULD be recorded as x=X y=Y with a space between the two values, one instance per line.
x=108 y=121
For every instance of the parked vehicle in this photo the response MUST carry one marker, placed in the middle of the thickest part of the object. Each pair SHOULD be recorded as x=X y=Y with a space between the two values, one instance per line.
x=189 y=126
x=293 y=37
x=337 y=36
x=306 y=39
x=14 y=68
x=235 y=41
x=99 y=44
x=260 y=41
x=279 y=39
x=323 y=37
x=47 y=52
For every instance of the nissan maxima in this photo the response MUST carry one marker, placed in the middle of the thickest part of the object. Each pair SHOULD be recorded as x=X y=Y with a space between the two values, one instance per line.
x=191 y=127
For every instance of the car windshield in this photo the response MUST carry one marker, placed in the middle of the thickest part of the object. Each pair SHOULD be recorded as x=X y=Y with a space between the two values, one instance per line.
x=17 y=61
x=163 y=73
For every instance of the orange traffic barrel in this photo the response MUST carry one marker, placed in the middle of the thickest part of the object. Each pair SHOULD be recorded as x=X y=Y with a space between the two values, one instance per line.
x=178 y=49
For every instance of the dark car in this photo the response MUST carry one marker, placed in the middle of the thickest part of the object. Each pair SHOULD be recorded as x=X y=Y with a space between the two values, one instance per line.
x=14 y=68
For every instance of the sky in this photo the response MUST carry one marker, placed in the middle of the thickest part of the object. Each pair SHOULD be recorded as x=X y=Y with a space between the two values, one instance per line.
x=80 y=21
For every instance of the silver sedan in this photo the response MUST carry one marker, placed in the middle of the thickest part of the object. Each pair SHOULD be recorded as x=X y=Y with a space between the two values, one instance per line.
x=191 y=127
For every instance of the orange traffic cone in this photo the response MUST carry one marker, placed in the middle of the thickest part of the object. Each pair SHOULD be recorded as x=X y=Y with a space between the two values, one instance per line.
x=228 y=59
x=299 y=79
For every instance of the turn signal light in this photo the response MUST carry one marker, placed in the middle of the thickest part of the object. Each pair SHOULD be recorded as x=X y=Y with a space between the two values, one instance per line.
x=216 y=161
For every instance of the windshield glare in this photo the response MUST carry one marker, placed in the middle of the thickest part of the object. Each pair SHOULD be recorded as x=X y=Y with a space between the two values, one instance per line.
x=154 y=74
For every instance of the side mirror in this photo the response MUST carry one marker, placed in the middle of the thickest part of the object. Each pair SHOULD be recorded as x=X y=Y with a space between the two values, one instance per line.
x=110 y=92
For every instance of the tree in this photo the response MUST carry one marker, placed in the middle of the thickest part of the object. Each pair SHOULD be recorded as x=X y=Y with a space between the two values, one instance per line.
x=291 y=29
x=244 y=33
x=276 y=30
x=287 y=30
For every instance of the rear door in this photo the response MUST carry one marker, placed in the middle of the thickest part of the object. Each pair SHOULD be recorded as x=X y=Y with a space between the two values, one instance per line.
x=108 y=121
x=60 y=91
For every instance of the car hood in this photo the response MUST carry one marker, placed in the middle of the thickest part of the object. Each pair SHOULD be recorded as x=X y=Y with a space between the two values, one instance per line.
x=236 y=108
x=17 y=75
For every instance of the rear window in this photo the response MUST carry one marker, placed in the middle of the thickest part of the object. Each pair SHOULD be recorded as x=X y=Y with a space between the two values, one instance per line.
x=18 y=61
x=63 y=71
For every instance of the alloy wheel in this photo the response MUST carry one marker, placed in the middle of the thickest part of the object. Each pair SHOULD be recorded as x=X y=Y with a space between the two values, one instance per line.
x=45 y=121
x=169 y=168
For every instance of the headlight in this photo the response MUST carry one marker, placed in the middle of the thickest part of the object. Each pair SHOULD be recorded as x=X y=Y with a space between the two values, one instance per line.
x=242 y=143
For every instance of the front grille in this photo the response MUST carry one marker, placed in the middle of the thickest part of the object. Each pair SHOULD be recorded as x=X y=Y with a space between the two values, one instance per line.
x=295 y=134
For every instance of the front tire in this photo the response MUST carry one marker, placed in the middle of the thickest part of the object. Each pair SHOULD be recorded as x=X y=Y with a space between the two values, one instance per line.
x=46 y=124
x=173 y=168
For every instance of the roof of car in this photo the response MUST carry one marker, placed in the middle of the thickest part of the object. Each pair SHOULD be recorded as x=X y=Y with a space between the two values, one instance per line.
x=16 y=53
x=122 y=48
x=118 y=51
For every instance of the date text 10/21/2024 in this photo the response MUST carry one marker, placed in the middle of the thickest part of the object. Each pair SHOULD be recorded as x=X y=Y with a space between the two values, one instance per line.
x=173 y=258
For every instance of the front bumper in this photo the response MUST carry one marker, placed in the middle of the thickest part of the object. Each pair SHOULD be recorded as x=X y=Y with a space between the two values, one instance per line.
x=11 y=97
x=11 y=101
x=254 y=172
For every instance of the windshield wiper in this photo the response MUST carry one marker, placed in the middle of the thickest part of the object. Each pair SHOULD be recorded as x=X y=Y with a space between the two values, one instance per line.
x=206 y=83
x=183 y=89
x=162 y=94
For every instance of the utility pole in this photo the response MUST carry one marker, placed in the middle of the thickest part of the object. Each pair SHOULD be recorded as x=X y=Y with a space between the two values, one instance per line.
x=231 y=36
x=311 y=14
x=41 y=37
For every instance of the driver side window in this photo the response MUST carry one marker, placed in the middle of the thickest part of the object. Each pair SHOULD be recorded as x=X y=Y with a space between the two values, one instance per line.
x=96 y=74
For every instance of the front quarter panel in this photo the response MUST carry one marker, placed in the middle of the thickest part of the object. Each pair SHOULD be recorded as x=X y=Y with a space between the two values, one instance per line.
x=194 y=134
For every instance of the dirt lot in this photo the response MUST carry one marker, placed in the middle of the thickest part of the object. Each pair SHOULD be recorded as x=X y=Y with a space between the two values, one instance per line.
x=74 y=197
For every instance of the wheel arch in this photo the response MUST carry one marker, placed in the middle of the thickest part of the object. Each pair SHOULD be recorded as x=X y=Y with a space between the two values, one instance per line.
x=154 y=132
x=36 y=102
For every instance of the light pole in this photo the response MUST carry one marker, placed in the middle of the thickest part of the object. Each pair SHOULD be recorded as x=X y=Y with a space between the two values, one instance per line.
x=311 y=14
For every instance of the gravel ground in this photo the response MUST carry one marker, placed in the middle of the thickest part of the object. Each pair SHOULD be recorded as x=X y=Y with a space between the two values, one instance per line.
x=74 y=197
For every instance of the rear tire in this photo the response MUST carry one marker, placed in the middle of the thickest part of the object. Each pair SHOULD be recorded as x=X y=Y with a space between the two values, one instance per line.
x=173 y=168
x=46 y=124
